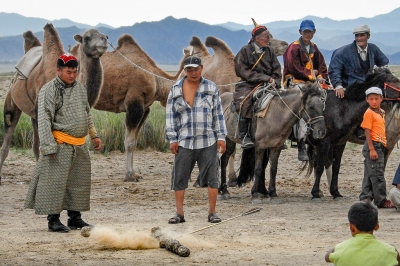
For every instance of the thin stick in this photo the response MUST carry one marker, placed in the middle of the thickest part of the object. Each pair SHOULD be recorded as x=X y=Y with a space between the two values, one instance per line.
x=243 y=214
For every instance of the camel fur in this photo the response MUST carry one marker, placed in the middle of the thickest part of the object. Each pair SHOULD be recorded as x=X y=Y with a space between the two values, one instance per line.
x=132 y=83
x=22 y=96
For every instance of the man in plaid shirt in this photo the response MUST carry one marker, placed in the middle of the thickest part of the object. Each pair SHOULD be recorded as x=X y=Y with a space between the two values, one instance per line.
x=195 y=128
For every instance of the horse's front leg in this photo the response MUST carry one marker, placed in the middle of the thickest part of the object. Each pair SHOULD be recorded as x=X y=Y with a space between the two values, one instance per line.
x=223 y=192
x=259 y=191
x=337 y=159
x=274 y=159
x=232 y=178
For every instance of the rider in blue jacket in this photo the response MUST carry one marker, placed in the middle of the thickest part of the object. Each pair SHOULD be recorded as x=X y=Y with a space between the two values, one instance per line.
x=351 y=63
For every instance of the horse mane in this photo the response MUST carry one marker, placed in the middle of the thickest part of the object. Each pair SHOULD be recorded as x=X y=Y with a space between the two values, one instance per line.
x=312 y=90
x=356 y=91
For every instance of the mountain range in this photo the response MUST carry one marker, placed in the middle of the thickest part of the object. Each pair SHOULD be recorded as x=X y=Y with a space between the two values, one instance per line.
x=164 y=40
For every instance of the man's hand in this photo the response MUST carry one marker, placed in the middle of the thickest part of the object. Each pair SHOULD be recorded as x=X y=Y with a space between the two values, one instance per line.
x=339 y=92
x=272 y=81
x=174 y=147
x=221 y=146
x=97 y=144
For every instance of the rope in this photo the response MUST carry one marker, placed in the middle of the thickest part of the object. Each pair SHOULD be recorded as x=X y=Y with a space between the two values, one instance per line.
x=141 y=68
x=158 y=76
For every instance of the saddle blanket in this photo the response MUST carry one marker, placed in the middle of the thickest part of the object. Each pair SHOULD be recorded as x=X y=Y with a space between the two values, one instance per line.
x=29 y=61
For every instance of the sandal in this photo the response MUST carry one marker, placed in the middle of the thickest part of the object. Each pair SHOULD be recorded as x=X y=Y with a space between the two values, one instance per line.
x=213 y=218
x=387 y=204
x=176 y=219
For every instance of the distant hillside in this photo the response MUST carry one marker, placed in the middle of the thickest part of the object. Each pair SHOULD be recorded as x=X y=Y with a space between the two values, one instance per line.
x=17 y=24
x=164 y=40
x=382 y=23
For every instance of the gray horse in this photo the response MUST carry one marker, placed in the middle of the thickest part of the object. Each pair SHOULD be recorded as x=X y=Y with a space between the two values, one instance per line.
x=271 y=131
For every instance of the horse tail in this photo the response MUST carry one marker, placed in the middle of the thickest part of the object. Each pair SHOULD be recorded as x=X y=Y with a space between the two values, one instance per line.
x=247 y=163
x=308 y=166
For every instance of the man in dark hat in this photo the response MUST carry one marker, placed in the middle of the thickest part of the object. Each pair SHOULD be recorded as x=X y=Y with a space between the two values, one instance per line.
x=195 y=128
x=61 y=180
x=304 y=62
x=256 y=63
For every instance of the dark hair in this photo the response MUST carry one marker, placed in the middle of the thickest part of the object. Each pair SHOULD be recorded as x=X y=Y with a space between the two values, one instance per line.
x=364 y=216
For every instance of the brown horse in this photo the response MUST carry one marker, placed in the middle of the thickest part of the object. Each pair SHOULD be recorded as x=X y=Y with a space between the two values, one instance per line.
x=272 y=130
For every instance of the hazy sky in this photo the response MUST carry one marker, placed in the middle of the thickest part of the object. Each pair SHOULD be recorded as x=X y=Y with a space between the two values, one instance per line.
x=117 y=13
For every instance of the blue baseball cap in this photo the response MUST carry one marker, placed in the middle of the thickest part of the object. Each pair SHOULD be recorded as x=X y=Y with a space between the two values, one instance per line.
x=307 y=25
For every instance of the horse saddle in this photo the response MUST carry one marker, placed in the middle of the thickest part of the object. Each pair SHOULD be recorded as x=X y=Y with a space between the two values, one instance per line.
x=261 y=104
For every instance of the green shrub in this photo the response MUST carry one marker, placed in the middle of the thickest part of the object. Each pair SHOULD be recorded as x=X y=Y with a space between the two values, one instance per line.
x=110 y=127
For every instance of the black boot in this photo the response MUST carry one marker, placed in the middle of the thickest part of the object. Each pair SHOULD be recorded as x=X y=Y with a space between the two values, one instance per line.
x=302 y=151
x=55 y=225
x=244 y=134
x=75 y=221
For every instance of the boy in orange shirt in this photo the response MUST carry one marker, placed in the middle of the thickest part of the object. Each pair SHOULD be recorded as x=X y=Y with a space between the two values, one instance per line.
x=374 y=183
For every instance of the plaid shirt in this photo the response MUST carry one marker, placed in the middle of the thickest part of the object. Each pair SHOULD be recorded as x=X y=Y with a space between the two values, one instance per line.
x=199 y=126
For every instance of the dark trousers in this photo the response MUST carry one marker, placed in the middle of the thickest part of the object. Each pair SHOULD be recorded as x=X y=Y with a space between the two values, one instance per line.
x=374 y=183
x=240 y=93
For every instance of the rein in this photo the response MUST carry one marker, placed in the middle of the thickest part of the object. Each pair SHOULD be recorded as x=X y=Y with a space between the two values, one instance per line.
x=311 y=120
x=385 y=86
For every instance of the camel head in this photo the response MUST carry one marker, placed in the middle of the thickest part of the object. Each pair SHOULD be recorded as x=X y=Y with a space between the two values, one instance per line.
x=94 y=43
x=278 y=46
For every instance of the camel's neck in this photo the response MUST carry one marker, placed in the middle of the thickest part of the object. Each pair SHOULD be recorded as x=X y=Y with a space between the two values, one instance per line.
x=91 y=76
x=163 y=88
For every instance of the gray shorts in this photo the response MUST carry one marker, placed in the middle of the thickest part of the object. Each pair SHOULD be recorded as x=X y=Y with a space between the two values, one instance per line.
x=185 y=160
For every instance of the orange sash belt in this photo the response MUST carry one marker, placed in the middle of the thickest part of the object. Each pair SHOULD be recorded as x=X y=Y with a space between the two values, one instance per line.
x=62 y=137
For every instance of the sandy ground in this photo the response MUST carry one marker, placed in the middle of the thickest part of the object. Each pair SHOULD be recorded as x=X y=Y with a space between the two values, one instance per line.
x=296 y=232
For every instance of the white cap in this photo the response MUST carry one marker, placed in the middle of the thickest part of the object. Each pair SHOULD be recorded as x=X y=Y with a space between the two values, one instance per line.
x=361 y=29
x=373 y=90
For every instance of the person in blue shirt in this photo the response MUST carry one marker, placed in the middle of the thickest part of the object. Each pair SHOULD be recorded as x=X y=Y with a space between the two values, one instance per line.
x=351 y=63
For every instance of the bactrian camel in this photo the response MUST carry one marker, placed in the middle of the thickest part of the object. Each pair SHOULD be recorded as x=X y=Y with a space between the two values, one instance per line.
x=132 y=82
x=22 y=97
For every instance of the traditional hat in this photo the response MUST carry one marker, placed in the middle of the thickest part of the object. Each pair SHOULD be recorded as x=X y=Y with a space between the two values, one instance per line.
x=67 y=60
x=373 y=90
x=191 y=61
x=257 y=29
x=361 y=29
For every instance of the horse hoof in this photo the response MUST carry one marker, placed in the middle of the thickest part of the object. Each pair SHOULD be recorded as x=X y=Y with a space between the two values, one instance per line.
x=134 y=178
x=339 y=198
x=224 y=196
x=275 y=200
x=256 y=201
x=232 y=182
x=316 y=200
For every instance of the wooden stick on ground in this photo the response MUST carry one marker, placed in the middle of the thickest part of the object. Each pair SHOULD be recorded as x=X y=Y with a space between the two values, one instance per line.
x=172 y=245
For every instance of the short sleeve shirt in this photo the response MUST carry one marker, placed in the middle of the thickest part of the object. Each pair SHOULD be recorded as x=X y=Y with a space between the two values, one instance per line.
x=376 y=123
x=363 y=250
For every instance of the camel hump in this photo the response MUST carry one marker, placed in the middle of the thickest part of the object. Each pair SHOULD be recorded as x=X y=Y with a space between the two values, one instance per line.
x=30 y=41
x=50 y=27
x=126 y=39
x=218 y=45
x=198 y=46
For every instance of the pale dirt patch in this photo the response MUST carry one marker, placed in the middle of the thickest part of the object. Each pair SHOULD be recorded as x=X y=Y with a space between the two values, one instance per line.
x=297 y=231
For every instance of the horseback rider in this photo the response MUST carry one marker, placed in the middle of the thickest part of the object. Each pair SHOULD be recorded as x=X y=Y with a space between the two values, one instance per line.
x=255 y=63
x=351 y=63
x=303 y=62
